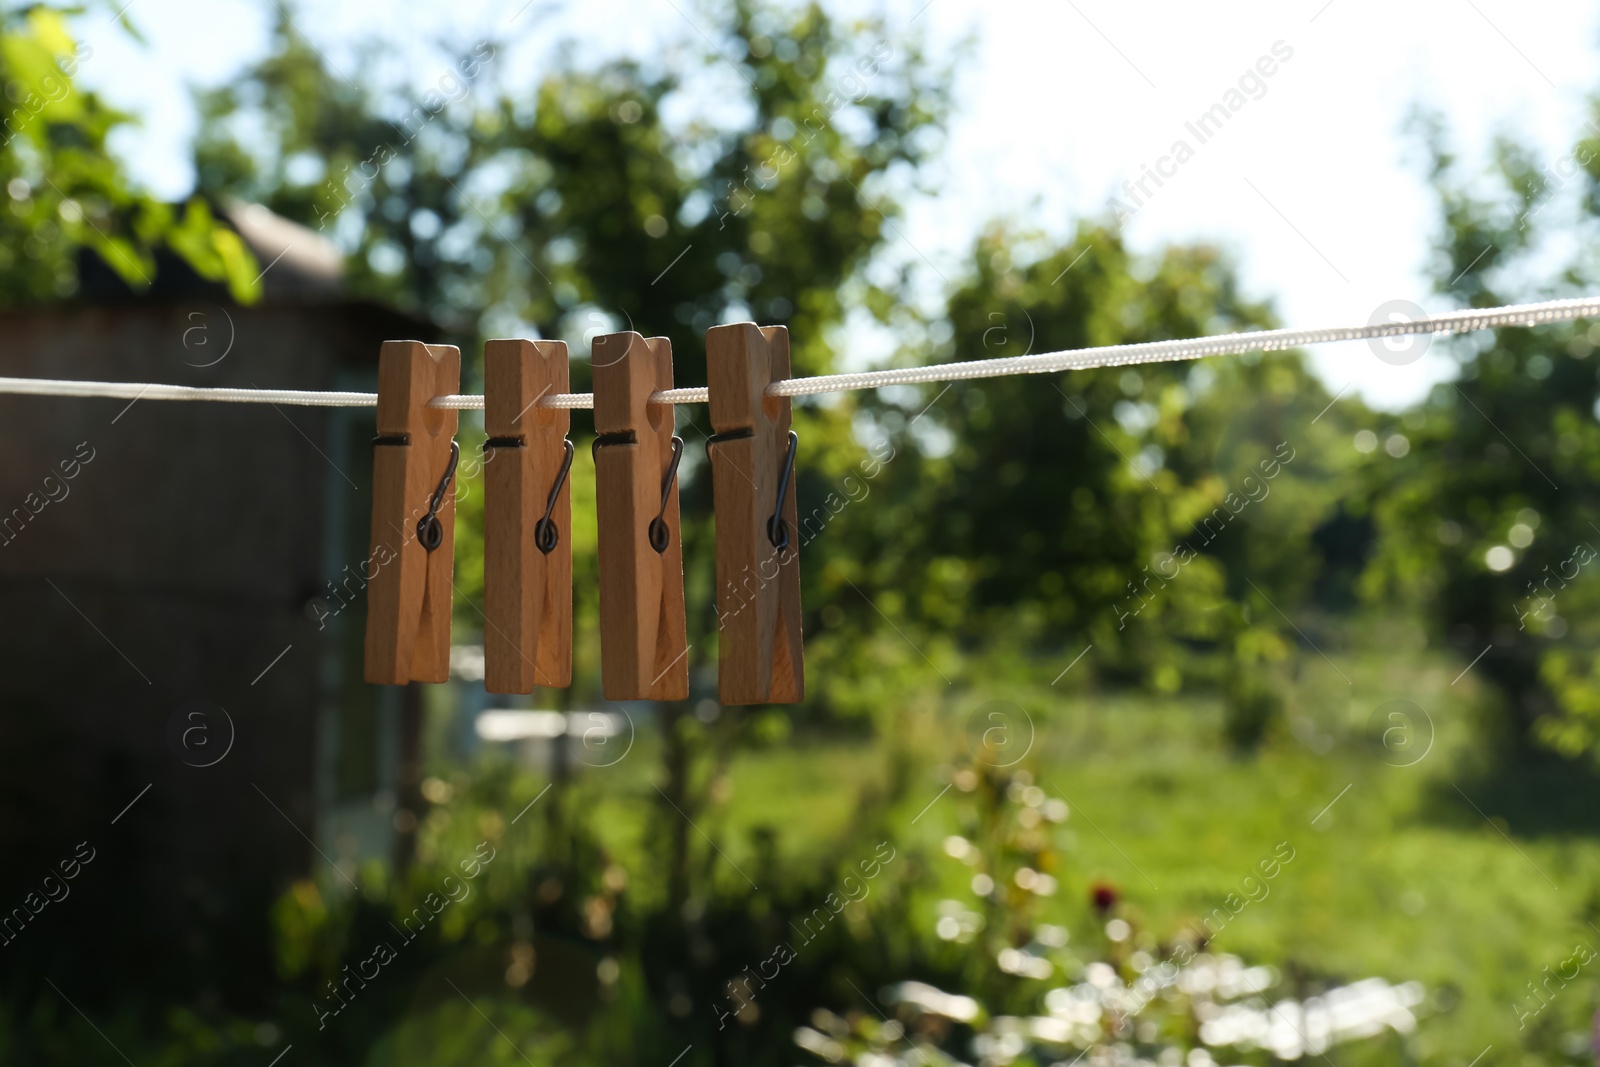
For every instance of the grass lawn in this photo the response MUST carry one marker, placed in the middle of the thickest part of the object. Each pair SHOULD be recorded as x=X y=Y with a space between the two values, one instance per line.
x=1412 y=860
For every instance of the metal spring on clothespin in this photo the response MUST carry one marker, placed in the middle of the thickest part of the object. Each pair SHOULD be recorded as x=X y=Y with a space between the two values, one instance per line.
x=660 y=536
x=430 y=532
x=777 y=529
x=546 y=535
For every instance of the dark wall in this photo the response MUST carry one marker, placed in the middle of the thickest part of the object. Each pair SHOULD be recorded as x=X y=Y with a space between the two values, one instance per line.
x=173 y=567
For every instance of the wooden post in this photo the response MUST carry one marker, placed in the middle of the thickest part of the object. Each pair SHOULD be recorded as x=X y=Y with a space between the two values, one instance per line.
x=758 y=560
x=527 y=518
x=643 y=635
x=413 y=465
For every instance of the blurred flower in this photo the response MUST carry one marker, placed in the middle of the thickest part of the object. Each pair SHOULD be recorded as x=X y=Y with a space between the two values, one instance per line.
x=1103 y=895
x=1016 y=961
x=818 y=1044
x=932 y=1001
x=957 y=922
x=1054 y=936
x=957 y=847
x=1290 y=1029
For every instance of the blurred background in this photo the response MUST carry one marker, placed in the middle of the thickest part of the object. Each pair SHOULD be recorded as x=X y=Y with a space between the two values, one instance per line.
x=1228 y=712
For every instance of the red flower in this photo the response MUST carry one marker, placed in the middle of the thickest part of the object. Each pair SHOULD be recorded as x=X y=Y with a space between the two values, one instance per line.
x=1103 y=895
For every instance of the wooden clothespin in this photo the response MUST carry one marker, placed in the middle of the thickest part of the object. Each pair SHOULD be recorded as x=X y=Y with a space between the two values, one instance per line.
x=643 y=637
x=413 y=515
x=758 y=538
x=527 y=518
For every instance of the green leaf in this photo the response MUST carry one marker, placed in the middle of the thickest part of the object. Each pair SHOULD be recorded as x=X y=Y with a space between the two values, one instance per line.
x=238 y=265
x=132 y=264
x=215 y=252
x=51 y=30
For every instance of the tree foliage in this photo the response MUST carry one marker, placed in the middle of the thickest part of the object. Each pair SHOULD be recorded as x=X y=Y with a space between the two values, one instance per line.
x=577 y=204
x=1488 y=523
x=65 y=191
x=1117 y=508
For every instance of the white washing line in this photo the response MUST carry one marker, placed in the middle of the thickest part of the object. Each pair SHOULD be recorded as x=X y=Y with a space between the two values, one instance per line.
x=1515 y=315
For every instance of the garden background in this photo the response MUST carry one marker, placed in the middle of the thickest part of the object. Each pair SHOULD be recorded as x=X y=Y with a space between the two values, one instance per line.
x=1143 y=702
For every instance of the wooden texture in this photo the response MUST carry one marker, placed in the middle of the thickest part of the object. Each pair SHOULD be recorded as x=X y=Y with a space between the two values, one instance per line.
x=758 y=588
x=408 y=587
x=527 y=594
x=643 y=637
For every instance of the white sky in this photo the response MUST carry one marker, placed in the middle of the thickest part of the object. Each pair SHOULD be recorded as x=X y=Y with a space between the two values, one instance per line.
x=1315 y=187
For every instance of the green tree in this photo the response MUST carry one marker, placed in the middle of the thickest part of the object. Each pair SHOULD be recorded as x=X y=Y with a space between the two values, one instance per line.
x=1161 y=513
x=492 y=209
x=1489 y=522
x=64 y=190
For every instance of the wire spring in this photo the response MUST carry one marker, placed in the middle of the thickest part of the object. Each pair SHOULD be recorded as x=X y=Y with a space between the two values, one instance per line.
x=430 y=531
x=660 y=536
x=546 y=535
x=777 y=529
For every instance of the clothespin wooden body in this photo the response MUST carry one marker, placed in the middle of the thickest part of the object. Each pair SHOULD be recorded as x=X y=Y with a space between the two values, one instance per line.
x=758 y=537
x=413 y=516
x=643 y=636
x=527 y=518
